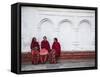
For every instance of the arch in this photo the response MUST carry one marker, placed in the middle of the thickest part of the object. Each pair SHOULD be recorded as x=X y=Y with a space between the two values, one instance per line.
x=45 y=20
x=84 y=24
x=46 y=28
x=84 y=21
x=65 y=20
x=64 y=29
x=84 y=34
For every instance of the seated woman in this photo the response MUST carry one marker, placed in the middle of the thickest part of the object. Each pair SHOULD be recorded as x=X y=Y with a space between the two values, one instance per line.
x=56 y=46
x=35 y=56
x=35 y=48
x=43 y=55
x=52 y=56
x=45 y=48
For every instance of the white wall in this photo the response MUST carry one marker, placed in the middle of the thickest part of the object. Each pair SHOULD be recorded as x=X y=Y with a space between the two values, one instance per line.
x=74 y=29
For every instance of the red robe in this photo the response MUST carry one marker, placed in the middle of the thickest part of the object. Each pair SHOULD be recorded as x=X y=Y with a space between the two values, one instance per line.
x=35 y=57
x=34 y=44
x=45 y=44
x=52 y=56
x=56 y=46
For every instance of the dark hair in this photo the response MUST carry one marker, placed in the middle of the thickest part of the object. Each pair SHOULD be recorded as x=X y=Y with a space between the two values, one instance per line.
x=55 y=39
x=33 y=38
x=44 y=37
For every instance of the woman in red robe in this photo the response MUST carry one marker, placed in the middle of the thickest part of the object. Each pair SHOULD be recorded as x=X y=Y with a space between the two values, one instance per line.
x=56 y=46
x=35 y=56
x=34 y=44
x=44 y=45
x=35 y=48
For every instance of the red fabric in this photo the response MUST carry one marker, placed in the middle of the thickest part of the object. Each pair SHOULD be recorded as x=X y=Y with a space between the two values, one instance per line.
x=52 y=57
x=43 y=51
x=35 y=52
x=34 y=44
x=45 y=44
x=43 y=55
x=56 y=46
x=35 y=57
x=43 y=58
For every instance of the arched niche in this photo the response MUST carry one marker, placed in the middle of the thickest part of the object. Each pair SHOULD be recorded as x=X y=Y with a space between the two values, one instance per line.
x=85 y=34
x=45 y=20
x=65 y=34
x=65 y=20
x=85 y=21
x=46 y=28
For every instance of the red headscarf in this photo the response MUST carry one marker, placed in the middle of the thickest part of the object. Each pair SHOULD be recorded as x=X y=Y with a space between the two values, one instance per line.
x=34 y=44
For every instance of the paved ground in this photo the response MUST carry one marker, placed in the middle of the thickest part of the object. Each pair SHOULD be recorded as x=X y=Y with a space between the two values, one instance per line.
x=60 y=64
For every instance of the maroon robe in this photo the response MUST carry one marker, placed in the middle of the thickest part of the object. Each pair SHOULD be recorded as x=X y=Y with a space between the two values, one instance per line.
x=45 y=44
x=56 y=46
x=35 y=57
x=52 y=56
x=34 y=44
x=35 y=53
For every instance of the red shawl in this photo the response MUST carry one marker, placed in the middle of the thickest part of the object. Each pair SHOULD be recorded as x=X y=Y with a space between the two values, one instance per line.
x=45 y=44
x=34 y=44
x=57 y=48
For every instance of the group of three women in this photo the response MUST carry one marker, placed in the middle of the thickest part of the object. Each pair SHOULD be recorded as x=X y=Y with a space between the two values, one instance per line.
x=43 y=53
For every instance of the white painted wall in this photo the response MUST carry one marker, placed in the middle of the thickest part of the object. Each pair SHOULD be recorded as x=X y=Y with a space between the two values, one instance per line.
x=75 y=29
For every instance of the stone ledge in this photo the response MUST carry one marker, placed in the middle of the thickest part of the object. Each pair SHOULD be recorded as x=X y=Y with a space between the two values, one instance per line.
x=27 y=57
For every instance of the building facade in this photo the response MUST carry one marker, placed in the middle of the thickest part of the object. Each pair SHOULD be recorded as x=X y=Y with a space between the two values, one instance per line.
x=75 y=29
